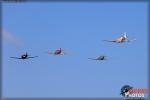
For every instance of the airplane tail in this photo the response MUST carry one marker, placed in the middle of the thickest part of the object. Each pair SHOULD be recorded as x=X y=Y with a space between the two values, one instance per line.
x=62 y=51
x=26 y=53
x=125 y=34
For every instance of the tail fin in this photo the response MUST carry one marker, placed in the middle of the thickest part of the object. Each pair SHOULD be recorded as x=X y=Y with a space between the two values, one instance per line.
x=125 y=34
x=26 y=53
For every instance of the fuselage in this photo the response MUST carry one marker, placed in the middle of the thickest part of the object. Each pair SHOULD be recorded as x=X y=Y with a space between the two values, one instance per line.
x=121 y=39
x=59 y=52
x=102 y=58
x=24 y=56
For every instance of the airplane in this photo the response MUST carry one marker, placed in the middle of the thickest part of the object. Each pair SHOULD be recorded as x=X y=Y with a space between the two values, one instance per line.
x=57 y=52
x=121 y=39
x=99 y=58
x=24 y=56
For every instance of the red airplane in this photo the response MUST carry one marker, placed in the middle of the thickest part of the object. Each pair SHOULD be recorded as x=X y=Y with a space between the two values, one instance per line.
x=57 y=52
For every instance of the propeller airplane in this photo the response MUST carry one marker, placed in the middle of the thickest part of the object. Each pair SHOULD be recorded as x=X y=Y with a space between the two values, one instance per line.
x=57 y=52
x=99 y=58
x=121 y=39
x=24 y=56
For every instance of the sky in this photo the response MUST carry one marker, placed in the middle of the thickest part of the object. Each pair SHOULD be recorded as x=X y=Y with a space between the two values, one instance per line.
x=79 y=28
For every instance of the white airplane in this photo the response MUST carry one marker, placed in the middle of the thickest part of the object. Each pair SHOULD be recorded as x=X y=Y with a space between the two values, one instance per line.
x=121 y=39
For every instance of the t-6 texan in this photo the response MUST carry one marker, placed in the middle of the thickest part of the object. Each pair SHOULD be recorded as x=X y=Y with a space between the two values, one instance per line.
x=24 y=56
x=99 y=58
x=121 y=39
x=57 y=52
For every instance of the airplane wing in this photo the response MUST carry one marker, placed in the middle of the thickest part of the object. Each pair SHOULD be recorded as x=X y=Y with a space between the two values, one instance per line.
x=110 y=40
x=92 y=58
x=51 y=52
x=131 y=40
x=32 y=57
x=15 y=57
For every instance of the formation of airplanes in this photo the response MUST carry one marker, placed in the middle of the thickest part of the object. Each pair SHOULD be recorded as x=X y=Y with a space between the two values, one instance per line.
x=26 y=56
x=59 y=51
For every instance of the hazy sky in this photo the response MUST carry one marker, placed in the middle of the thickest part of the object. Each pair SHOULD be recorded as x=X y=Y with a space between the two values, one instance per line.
x=79 y=28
